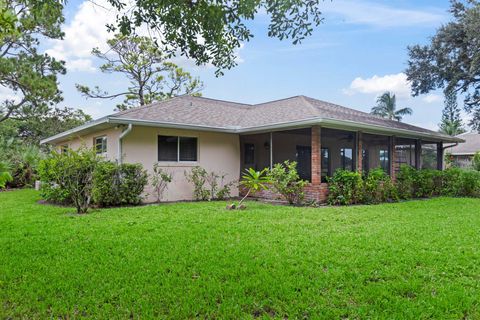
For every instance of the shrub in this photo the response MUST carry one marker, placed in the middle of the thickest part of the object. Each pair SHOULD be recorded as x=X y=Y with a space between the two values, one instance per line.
x=72 y=173
x=5 y=175
x=378 y=187
x=426 y=183
x=206 y=186
x=470 y=183
x=452 y=182
x=405 y=180
x=345 y=187
x=160 y=179
x=23 y=161
x=476 y=161
x=286 y=181
x=118 y=184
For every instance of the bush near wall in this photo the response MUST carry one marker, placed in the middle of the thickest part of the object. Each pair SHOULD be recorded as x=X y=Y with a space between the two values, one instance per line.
x=118 y=184
x=346 y=187
x=109 y=183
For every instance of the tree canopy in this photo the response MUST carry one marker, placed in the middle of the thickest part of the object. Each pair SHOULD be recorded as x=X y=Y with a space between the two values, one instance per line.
x=211 y=31
x=451 y=61
x=387 y=107
x=30 y=76
x=151 y=77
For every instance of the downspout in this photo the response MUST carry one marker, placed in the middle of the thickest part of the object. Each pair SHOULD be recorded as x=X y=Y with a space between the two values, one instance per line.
x=122 y=135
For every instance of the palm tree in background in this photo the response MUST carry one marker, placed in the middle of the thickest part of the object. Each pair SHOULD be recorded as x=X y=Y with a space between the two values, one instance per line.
x=387 y=108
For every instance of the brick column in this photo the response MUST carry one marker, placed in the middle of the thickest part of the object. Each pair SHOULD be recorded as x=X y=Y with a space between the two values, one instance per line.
x=440 y=156
x=359 y=151
x=316 y=155
x=392 y=157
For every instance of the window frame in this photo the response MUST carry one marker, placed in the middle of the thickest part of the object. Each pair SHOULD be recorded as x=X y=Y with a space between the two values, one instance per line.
x=103 y=151
x=323 y=178
x=178 y=149
x=384 y=159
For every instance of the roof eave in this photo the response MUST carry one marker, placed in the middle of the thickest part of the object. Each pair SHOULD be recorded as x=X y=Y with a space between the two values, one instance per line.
x=66 y=134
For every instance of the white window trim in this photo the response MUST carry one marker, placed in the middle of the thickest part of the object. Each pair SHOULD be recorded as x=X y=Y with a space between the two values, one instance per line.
x=104 y=138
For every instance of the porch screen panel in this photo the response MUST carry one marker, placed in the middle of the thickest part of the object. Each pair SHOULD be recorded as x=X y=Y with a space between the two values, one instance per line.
x=375 y=152
x=341 y=150
x=404 y=153
x=429 y=156
x=255 y=151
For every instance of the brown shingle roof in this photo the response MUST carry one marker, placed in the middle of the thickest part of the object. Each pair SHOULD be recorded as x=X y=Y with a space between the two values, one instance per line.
x=201 y=111
x=471 y=145
x=218 y=115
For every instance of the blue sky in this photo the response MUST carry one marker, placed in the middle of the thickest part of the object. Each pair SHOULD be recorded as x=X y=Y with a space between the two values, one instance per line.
x=357 y=53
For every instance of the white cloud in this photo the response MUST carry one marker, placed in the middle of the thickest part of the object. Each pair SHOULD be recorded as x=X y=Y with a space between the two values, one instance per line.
x=431 y=98
x=380 y=15
x=7 y=94
x=86 y=31
x=396 y=83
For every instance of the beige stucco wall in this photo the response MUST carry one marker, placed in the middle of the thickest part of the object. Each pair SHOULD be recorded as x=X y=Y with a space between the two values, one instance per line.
x=218 y=152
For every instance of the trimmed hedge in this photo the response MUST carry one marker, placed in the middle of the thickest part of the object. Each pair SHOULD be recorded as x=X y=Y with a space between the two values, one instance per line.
x=109 y=183
x=346 y=187
x=115 y=185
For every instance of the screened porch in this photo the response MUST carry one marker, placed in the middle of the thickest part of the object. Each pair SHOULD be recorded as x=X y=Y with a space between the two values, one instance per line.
x=319 y=152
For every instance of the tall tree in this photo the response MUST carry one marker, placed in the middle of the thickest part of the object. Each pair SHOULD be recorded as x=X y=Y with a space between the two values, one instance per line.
x=210 y=31
x=151 y=76
x=451 y=121
x=30 y=76
x=452 y=59
x=387 y=107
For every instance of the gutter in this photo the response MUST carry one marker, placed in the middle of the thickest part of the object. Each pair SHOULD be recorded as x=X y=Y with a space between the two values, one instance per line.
x=120 y=138
x=74 y=130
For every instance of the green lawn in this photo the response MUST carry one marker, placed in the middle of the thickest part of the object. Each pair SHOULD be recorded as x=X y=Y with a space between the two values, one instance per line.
x=418 y=259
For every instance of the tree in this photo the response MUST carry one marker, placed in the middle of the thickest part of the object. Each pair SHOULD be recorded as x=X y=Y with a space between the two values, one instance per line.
x=151 y=76
x=387 y=107
x=211 y=31
x=30 y=76
x=451 y=122
x=451 y=59
x=33 y=129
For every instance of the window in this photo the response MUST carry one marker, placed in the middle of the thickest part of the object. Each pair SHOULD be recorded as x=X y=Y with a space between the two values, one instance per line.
x=384 y=160
x=101 y=145
x=325 y=164
x=346 y=158
x=173 y=148
x=249 y=153
x=64 y=149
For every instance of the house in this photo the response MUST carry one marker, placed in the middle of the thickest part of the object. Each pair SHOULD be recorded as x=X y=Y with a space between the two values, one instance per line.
x=462 y=154
x=227 y=137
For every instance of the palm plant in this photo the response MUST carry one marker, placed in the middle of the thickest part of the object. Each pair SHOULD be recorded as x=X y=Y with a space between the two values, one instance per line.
x=254 y=181
x=387 y=107
x=5 y=175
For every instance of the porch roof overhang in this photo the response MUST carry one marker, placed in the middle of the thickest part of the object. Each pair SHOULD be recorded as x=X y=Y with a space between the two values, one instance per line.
x=110 y=121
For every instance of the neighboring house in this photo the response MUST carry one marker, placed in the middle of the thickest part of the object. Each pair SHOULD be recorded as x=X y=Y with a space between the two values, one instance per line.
x=227 y=137
x=463 y=153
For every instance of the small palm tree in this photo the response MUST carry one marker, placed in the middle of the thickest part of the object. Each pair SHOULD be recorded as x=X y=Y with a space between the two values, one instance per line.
x=387 y=107
x=5 y=176
x=254 y=181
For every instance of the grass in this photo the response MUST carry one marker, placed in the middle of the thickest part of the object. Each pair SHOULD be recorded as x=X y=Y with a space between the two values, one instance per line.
x=418 y=259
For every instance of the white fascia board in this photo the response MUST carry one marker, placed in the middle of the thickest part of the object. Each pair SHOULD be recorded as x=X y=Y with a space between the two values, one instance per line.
x=67 y=133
